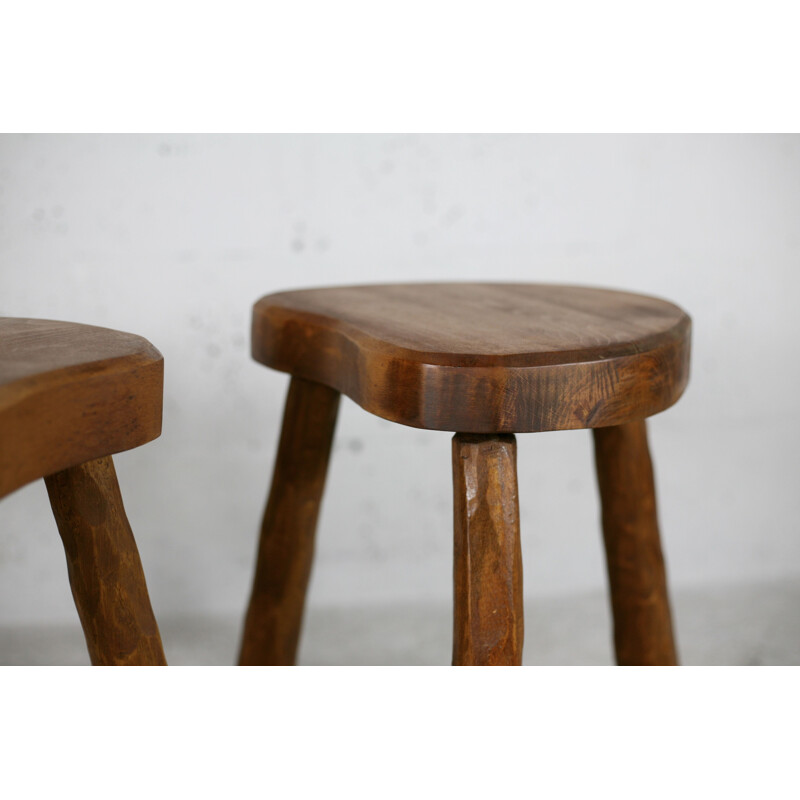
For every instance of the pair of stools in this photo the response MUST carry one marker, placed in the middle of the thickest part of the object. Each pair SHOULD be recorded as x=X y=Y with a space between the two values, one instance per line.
x=484 y=360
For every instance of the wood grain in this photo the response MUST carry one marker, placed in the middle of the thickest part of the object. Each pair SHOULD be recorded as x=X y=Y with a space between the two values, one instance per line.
x=637 y=577
x=482 y=358
x=488 y=612
x=105 y=571
x=72 y=393
x=286 y=548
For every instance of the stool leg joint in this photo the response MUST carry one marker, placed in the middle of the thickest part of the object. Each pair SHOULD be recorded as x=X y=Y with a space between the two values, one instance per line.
x=487 y=572
x=637 y=576
x=105 y=571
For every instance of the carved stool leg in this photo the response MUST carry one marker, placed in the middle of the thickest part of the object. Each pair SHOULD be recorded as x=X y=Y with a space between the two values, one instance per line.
x=488 y=616
x=637 y=579
x=105 y=572
x=275 y=615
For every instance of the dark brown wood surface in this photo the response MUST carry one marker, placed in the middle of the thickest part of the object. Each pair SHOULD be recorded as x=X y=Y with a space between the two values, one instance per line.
x=482 y=358
x=637 y=577
x=488 y=612
x=71 y=393
x=286 y=548
x=105 y=572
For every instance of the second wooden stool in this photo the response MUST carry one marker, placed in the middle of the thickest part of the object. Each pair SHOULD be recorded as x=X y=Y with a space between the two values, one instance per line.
x=70 y=396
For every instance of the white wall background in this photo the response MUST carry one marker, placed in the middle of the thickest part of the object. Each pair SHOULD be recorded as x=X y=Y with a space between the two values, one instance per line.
x=174 y=237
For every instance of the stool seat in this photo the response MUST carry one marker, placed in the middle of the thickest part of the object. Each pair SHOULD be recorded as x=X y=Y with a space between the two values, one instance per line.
x=70 y=393
x=482 y=357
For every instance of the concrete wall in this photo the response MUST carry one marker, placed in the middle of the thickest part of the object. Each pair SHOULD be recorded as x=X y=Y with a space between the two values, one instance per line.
x=173 y=237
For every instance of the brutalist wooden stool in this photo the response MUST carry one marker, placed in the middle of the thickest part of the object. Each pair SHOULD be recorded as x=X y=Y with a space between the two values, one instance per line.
x=486 y=361
x=70 y=396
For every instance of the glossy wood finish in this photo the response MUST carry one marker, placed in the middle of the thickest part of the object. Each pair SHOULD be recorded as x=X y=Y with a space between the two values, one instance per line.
x=637 y=578
x=105 y=571
x=286 y=548
x=482 y=358
x=488 y=613
x=71 y=393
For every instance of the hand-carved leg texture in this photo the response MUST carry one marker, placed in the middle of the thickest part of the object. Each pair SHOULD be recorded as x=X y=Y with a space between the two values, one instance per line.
x=642 y=620
x=488 y=616
x=105 y=572
x=275 y=615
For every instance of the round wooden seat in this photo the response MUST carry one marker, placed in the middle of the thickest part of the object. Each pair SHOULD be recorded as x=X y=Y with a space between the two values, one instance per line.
x=71 y=393
x=482 y=358
x=71 y=396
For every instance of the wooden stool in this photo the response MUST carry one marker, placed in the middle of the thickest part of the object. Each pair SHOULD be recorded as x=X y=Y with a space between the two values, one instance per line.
x=70 y=396
x=486 y=361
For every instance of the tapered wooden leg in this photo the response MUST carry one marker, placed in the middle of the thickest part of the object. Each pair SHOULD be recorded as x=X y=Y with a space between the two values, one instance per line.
x=105 y=572
x=275 y=615
x=488 y=617
x=637 y=578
